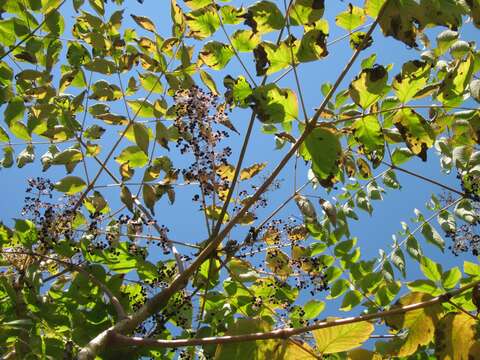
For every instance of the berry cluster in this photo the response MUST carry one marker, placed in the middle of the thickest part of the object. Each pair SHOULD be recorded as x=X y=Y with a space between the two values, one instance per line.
x=198 y=114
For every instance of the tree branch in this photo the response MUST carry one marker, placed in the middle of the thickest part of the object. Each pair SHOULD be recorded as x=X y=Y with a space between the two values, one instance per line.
x=283 y=333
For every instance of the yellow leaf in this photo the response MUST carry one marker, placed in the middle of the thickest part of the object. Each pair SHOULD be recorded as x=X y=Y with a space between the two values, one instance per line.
x=271 y=236
x=455 y=338
x=251 y=171
x=226 y=172
x=144 y=22
x=213 y=212
x=342 y=337
x=278 y=262
x=420 y=324
x=362 y=354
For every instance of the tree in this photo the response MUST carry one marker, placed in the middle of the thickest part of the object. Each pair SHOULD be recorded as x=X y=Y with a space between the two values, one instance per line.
x=145 y=110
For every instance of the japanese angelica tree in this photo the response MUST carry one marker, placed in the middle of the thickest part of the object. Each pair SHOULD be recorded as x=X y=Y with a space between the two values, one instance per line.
x=130 y=118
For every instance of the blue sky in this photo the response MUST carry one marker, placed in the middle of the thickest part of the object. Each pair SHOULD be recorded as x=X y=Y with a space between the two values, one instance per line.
x=184 y=219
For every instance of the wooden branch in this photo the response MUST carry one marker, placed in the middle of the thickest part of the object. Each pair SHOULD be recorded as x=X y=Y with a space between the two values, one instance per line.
x=116 y=339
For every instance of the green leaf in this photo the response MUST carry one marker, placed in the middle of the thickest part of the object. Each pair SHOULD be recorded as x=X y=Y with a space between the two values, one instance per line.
x=455 y=83
x=202 y=23
x=471 y=268
x=141 y=108
x=350 y=300
x=151 y=83
x=134 y=156
x=70 y=185
x=424 y=286
x=216 y=55
x=313 y=46
x=372 y=7
x=245 y=40
x=264 y=17
x=451 y=277
x=342 y=337
x=338 y=288
x=238 y=91
x=351 y=18
x=273 y=104
x=207 y=79
x=431 y=269
x=313 y=308
x=411 y=80
x=305 y=12
x=101 y=66
x=141 y=136
x=367 y=131
x=324 y=148
x=370 y=86
x=432 y=236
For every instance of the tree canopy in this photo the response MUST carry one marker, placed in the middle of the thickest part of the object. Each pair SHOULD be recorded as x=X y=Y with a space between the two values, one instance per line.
x=93 y=94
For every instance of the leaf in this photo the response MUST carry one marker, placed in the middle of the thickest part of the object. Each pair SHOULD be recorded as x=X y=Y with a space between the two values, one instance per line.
x=305 y=12
x=70 y=185
x=455 y=336
x=264 y=17
x=372 y=7
x=370 y=86
x=367 y=131
x=313 y=46
x=245 y=40
x=262 y=349
x=98 y=6
x=420 y=324
x=424 y=286
x=451 y=278
x=251 y=171
x=273 y=104
x=101 y=66
x=351 y=18
x=278 y=262
x=140 y=132
x=342 y=337
x=151 y=83
x=313 y=308
x=208 y=81
x=432 y=236
x=350 y=300
x=214 y=212
x=202 y=23
x=362 y=354
x=431 y=269
x=415 y=130
x=411 y=80
x=238 y=91
x=216 y=55
x=144 y=22
x=324 y=148
x=133 y=155
x=456 y=82
x=142 y=108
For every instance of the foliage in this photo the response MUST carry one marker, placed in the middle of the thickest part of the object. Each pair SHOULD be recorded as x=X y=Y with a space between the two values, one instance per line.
x=94 y=275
